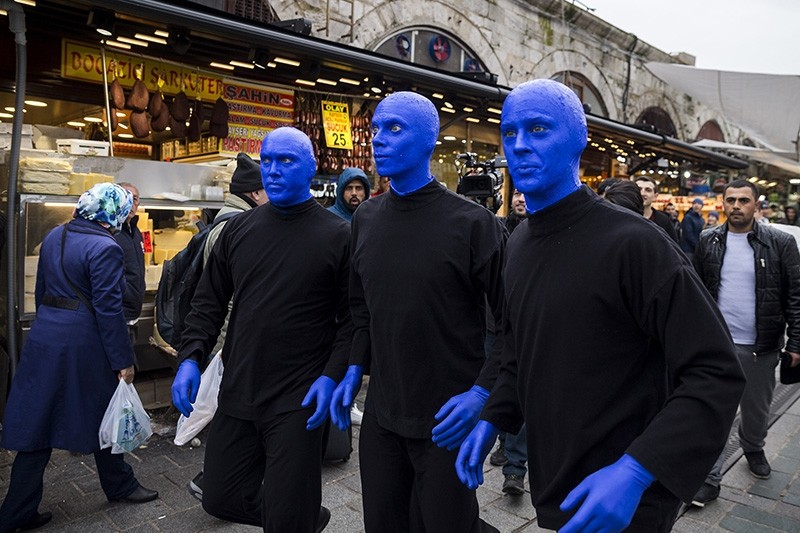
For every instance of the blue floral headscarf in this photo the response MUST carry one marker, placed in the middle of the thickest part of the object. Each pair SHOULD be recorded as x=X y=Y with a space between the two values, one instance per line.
x=105 y=202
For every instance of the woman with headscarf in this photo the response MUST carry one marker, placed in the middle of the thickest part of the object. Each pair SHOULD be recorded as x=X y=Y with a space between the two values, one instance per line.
x=77 y=351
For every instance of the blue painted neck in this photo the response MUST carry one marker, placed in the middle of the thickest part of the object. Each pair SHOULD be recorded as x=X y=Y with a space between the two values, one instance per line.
x=537 y=202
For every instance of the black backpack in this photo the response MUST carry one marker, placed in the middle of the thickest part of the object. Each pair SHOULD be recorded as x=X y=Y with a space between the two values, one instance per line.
x=178 y=283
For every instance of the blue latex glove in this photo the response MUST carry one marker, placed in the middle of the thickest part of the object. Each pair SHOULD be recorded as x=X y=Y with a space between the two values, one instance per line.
x=609 y=497
x=473 y=452
x=458 y=416
x=344 y=395
x=185 y=386
x=320 y=392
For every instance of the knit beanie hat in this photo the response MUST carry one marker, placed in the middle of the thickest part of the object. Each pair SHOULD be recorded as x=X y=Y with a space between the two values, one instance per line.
x=247 y=176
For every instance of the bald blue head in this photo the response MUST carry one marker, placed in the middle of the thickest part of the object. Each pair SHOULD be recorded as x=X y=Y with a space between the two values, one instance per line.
x=405 y=127
x=543 y=128
x=287 y=166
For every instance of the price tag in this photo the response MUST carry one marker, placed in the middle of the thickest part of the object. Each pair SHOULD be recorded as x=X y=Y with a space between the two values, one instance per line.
x=336 y=123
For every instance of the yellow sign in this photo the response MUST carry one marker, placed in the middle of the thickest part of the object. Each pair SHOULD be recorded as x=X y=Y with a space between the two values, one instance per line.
x=255 y=110
x=336 y=122
x=83 y=62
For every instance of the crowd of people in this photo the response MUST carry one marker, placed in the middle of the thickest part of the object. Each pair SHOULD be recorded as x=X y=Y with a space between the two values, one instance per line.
x=468 y=326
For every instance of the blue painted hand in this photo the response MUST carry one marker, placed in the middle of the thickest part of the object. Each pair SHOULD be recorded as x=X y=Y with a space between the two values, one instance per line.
x=287 y=166
x=608 y=498
x=543 y=129
x=458 y=416
x=185 y=386
x=473 y=452
x=344 y=395
x=320 y=392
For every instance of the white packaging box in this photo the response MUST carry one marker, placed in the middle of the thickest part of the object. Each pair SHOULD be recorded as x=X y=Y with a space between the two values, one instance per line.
x=82 y=147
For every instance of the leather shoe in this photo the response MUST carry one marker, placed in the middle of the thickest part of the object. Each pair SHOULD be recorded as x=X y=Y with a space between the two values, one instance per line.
x=323 y=519
x=140 y=495
x=37 y=521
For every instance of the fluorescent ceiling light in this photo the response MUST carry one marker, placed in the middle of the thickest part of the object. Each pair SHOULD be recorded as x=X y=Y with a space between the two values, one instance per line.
x=349 y=81
x=447 y=109
x=473 y=119
x=326 y=82
x=118 y=45
x=35 y=103
x=438 y=95
x=120 y=114
x=92 y=119
x=494 y=110
x=161 y=33
x=6 y=115
x=128 y=40
x=493 y=120
x=468 y=109
x=221 y=65
x=241 y=64
x=125 y=136
x=449 y=137
x=300 y=81
x=150 y=38
x=285 y=61
x=76 y=123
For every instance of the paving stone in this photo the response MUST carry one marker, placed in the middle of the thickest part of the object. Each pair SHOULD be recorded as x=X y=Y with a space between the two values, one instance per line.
x=533 y=528
x=501 y=519
x=687 y=524
x=790 y=509
x=770 y=519
x=789 y=465
x=336 y=495
x=771 y=488
x=738 y=525
x=750 y=500
x=126 y=515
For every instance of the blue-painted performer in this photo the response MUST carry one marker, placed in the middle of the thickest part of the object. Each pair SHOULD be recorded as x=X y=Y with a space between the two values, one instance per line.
x=626 y=401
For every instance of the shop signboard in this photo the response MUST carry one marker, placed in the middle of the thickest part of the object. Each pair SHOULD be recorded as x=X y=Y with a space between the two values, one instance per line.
x=336 y=123
x=83 y=62
x=254 y=110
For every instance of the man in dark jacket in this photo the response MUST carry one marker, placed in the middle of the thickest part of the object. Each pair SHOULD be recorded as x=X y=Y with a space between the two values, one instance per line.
x=753 y=272
x=129 y=239
x=691 y=226
x=351 y=190
x=649 y=190
x=626 y=401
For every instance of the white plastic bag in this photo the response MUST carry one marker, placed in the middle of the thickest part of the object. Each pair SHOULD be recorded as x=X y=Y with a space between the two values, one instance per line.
x=125 y=425
x=206 y=404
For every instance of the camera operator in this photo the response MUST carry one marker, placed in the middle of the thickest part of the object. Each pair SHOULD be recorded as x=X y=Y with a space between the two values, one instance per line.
x=480 y=181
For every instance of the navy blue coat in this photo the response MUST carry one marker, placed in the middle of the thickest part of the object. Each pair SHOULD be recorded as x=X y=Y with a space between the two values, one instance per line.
x=67 y=370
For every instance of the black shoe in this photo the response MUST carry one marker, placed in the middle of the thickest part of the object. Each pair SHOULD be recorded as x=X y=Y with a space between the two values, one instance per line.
x=195 y=486
x=37 y=521
x=759 y=466
x=707 y=493
x=140 y=495
x=324 y=518
x=514 y=485
x=498 y=457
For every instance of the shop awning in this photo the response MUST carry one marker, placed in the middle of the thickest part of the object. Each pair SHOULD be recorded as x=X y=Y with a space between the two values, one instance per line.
x=766 y=106
x=758 y=154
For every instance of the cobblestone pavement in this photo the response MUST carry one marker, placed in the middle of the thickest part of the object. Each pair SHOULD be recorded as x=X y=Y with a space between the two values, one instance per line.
x=72 y=493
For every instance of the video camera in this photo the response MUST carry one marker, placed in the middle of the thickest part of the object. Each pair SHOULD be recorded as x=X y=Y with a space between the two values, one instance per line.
x=480 y=180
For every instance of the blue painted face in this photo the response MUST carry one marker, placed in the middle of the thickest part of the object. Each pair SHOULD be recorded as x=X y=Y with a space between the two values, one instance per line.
x=287 y=166
x=543 y=128
x=404 y=131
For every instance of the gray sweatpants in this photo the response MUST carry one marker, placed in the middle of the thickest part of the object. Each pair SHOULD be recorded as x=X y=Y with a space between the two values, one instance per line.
x=755 y=403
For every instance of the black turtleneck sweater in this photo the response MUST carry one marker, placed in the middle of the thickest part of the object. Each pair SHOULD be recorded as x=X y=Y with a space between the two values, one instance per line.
x=617 y=348
x=421 y=266
x=287 y=271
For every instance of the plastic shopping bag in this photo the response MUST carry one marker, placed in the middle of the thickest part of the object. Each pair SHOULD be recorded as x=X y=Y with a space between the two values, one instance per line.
x=125 y=425
x=206 y=404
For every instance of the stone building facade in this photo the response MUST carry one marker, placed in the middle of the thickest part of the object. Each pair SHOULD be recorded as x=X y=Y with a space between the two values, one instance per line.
x=519 y=40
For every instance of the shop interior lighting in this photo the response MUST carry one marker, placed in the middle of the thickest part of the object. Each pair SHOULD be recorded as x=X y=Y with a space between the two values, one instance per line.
x=438 y=95
x=93 y=119
x=468 y=109
x=128 y=40
x=449 y=137
x=150 y=38
x=285 y=61
x=349 y=81
x=76 y=123
x=31 y=3
x=10 y=109
x=378 y=85
x=120 y=114
x=323 y=81
x=35 y=103
x=125 y=136
x=221 y=65
x=6 y=115
x=161 y=33
x=448 y=105
x=493 y=120
x=102 y=21
x=447 y=109
x=440 y=142
x=301 y=81
x=123 y=125
x=494 y=110
x=242 y=64
x=473 y=120
x=117 y=44
x=3 y=13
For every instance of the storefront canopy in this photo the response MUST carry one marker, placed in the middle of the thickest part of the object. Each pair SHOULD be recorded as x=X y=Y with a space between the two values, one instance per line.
x=766 y=106
x=758 y=154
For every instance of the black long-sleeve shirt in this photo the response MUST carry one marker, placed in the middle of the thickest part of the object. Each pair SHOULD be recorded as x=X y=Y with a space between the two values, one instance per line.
x=287 y=271
x=421 y=266
x=613 y=346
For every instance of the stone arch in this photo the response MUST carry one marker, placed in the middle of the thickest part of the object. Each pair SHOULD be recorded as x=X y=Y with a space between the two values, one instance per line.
x=561 y=60
x=711 y=130
x=658 y=119
x=656 y=99
x=585 y=89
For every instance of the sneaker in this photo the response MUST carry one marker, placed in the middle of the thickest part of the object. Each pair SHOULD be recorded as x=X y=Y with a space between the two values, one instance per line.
x=196 y=486
x=514 y=485
x=759 y=466
x=498 y=457
x=707 y=493
x=355 y=415
x=324 y=518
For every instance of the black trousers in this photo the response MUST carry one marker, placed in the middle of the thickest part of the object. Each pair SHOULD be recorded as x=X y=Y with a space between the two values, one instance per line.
x=27 y=479
x=264 y=473
x=411 y=486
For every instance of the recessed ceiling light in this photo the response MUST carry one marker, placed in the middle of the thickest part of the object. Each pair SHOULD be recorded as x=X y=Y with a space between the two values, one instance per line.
x=438 y=95
x=468 y=110
x=92 y=119
x=285 y=61
x=473 y=119
x=326 y=82
x=76 y=123
x=366 y=95
x=242 y=64
x=493 y=120
x=221 y=65
x=349 y=81
x=447 y=109
x=161 y=33
x=449 y=137
x=35 y=103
